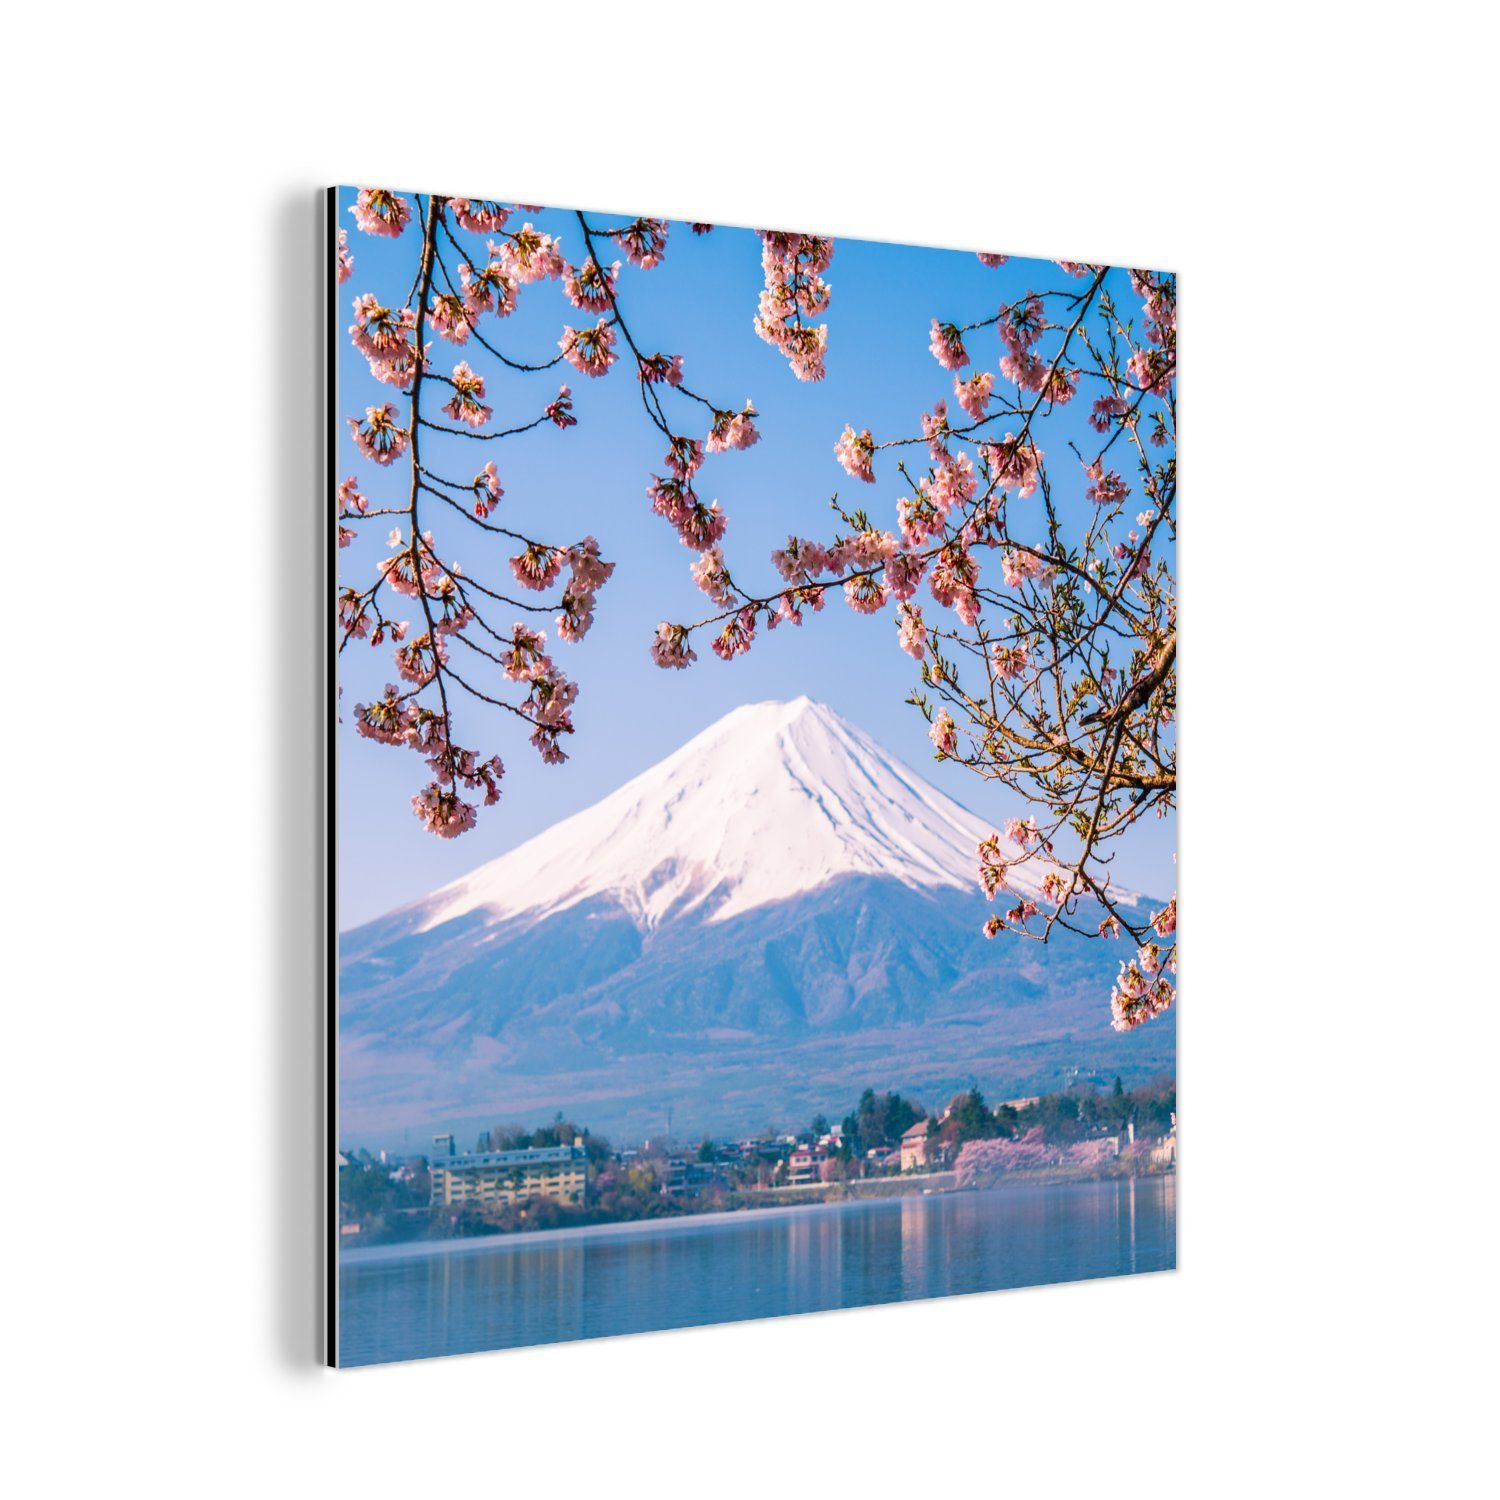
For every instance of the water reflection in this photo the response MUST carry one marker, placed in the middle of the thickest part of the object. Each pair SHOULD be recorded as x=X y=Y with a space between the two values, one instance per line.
x=589 y=1283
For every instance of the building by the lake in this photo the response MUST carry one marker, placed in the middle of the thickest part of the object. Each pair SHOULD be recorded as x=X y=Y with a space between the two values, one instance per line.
x=498 y=1178
x=914 y=1147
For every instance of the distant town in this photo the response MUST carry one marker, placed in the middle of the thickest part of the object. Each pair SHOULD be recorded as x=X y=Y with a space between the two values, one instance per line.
x=561 y=1175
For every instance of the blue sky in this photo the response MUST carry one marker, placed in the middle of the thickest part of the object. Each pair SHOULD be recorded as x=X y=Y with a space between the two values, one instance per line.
x=592 y=479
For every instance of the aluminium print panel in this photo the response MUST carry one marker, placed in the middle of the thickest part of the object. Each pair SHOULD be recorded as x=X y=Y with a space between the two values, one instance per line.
x=754 y=772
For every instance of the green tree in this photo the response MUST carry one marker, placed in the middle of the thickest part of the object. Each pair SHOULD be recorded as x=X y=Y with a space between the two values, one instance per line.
x=969 y=1119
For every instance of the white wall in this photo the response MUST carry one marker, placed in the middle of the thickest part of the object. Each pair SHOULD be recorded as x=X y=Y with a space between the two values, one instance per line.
x=1317 y=178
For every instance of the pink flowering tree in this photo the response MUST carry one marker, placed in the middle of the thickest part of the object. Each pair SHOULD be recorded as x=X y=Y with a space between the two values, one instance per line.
x=1046 y=644
x=474 y=263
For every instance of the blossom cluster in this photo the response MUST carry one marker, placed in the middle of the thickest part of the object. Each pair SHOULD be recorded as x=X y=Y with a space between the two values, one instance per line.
x=417 y=713
x=456 y=289
x=795 y=291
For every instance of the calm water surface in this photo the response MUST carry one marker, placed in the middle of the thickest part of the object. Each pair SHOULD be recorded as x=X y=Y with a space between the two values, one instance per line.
x=410 y=1302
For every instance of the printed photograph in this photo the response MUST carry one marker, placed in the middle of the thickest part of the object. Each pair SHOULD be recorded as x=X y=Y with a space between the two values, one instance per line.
x=754 y=771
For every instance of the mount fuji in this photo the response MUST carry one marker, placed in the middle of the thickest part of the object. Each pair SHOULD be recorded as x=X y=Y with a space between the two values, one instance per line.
x=755 y=929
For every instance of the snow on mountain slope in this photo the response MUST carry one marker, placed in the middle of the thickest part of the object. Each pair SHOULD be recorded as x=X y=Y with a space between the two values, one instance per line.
x=772 y=800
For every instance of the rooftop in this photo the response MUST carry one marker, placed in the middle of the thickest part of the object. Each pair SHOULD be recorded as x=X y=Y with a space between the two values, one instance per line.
x=532 y=1156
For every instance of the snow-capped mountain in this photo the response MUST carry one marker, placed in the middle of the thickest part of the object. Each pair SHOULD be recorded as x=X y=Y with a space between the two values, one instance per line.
x=774 y=917
x=772 y=800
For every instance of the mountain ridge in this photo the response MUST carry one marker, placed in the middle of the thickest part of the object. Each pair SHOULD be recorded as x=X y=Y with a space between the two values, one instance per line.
x=773 y=915
x=691 y=833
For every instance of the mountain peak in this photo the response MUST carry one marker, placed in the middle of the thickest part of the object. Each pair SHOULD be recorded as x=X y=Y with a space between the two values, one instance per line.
x=772 y=714
x=773 y=799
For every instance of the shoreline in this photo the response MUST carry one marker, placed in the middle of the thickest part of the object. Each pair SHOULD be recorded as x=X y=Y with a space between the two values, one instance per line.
x=395 y=1250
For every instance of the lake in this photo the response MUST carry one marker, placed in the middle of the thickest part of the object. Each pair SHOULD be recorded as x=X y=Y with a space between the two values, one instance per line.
x=458 y=1296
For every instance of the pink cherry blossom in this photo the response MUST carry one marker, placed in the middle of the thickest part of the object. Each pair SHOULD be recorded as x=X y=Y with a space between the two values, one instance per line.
x=1133 y=1001
x=711 y=576
x=856 y=451
x=443 y=812
x=866 y=594
x=794 y=601
x=903 y=572
x=576 y=617
x=1159 y=309
x=644 y=242
x=537 y=566
x=670 y=647
x=351 y=502
x=1137 y=562
x=1014 y=464
x=560 y=411
x=947 y=345
x=736 y=637
x=419 y=660
x=973 y=394
x=655 y=368
x=992 y=866
x=685 y=457
x=589 y=350
x=479 y=215
x=1018 y=567
x=385 y=338
x=794 y=290
x=467 y=405
x=799 y=561
x=1025 y=834
x=1152 y=370
x=550 y=700
x=387 y=720
x=379 y=211
x=450 y=317
x=487 y=490
x=526 y=659
x=1105 y=488
x=953 y=580
x=952 y=483
x=487 y=289
x=943 y=733
x=591 y=286
x=529 y=255
x=936 y=432
x=1107 y=410
x=1060 y=385
x=1010 y=661
x=699 y=526
x=806 y=349
x=912 y=633
x=378 y=437
x=1022 y=323
x=732 y=430
x=919 y=519
x=589 y=571
x=864 y=549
